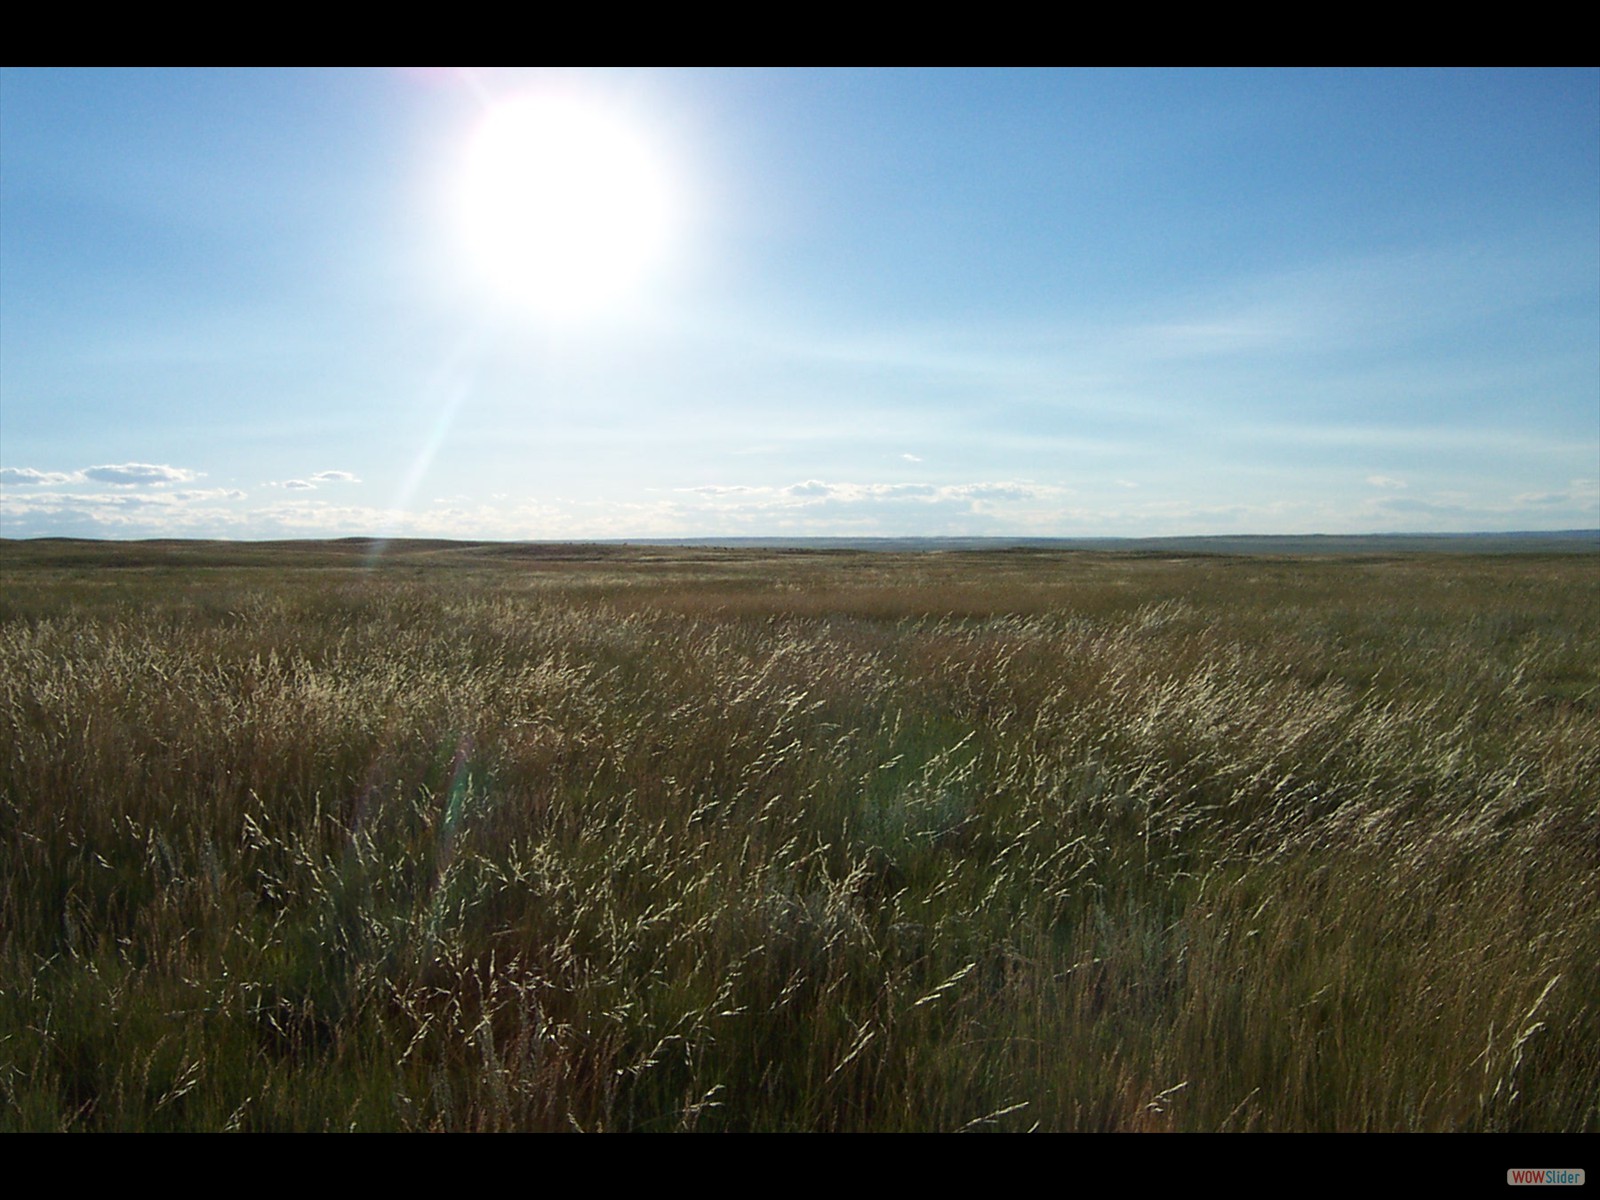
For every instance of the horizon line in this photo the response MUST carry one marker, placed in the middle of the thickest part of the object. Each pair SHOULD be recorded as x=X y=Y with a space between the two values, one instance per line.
x=1581 y=536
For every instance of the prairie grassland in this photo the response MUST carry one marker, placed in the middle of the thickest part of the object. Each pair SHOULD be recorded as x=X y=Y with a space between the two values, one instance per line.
x=707 y=840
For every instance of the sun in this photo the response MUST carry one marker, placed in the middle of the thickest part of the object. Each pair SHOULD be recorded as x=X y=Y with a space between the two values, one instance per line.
x=563 y=206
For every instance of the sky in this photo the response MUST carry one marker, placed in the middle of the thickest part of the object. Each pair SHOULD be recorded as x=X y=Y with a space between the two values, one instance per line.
x=541 y=304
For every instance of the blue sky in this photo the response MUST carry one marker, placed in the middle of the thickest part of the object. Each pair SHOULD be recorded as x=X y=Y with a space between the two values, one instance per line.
x=1053 y=303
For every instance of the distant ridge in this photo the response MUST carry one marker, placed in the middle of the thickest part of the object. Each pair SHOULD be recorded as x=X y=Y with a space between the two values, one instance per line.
x=175 y=551
x=1565 y=541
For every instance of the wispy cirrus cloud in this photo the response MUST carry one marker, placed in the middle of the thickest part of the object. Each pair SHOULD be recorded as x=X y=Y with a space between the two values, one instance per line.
x=821 y=498
x=1542 y=499
x=121 y=501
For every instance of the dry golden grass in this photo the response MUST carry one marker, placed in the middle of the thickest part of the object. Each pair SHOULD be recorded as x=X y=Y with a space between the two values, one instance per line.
x=679 y=839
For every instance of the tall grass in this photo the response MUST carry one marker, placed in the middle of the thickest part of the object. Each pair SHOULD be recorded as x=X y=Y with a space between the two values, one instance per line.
x=814 y=842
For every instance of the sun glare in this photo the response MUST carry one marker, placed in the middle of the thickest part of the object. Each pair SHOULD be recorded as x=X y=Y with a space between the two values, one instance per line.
x=563 y=207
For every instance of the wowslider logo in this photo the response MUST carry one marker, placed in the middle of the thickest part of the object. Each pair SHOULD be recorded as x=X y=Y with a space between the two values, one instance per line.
x=1544 y=1176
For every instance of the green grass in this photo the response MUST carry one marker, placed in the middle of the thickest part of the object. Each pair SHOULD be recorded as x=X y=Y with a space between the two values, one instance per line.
x=292 y=837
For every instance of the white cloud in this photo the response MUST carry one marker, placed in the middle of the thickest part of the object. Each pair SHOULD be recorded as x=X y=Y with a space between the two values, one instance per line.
x=859 y=505
x=811 y=487
x=724 y=489
x=136 y=474
x=1386 y=481
x=997 y=491
x=28 y=475
x=296 y=485
x=335 y=477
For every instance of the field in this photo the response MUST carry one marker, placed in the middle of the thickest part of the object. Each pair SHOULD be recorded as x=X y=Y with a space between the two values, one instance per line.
x=544 y=838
